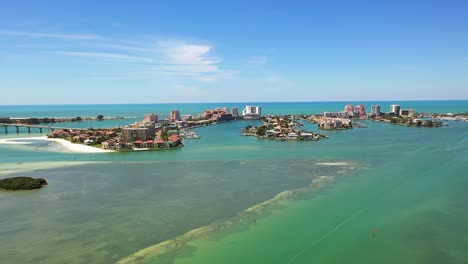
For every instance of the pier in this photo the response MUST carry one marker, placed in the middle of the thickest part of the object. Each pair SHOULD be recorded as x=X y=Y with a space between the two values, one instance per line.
x=40 y=128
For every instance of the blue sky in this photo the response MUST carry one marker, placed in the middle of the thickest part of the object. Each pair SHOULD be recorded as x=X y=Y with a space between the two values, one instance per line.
x=68 y=52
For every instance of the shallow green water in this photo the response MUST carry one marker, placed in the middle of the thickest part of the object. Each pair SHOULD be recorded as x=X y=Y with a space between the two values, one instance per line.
x=415 y=197
x=407 y=183
x=104 y=212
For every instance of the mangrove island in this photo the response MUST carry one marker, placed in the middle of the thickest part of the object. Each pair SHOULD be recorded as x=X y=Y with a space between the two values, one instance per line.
x=21 y=183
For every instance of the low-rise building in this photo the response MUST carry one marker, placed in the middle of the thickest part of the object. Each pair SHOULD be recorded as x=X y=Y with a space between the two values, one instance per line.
x=138 y=131
x=292 y=136
x=219 y=114
x=151 y=118
x=407 y=112
x=341 y=114
x=334 y=123
x=186 y=117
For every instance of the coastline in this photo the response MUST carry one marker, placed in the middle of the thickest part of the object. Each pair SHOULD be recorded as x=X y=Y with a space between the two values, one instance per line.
x=75 y=148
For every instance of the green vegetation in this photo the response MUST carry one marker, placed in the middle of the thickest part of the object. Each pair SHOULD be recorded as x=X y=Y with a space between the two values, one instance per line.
x=22 y=183
x=28 y=121
x=261 y=130
x=408 y=121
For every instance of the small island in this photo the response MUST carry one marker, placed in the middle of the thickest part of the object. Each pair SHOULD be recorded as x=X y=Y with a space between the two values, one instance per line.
x=407 y=121
x=396 y=116
x=21 y=183
x=280 y=128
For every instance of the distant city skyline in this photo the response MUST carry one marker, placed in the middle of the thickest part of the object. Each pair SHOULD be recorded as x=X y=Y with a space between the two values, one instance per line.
x=86 y=52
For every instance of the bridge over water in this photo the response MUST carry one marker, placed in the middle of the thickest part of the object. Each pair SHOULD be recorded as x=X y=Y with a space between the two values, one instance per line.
x=29 y=127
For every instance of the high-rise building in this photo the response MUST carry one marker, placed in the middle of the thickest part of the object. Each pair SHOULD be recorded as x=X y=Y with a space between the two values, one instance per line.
x=349 y=108
x=360 y=110
x=174 y=115
x=235 y=111
x=252 y=112
x=375 y=110
x=151 y=118
x=394 y=108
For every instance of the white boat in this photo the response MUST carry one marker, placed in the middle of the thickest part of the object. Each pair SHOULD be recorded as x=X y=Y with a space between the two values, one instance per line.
x=140 y=149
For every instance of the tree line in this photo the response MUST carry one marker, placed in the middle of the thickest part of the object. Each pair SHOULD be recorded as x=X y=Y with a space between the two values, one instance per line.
x=44 y=120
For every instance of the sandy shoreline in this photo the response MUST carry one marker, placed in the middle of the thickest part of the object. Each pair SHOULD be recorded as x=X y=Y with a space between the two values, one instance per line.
x=77 y=148
x=20 y=167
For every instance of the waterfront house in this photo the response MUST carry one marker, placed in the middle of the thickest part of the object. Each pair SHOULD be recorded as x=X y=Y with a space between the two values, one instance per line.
x=271 y=133
x=172 y=132
x=174 y=140
x=292 y=136
x=160 y=143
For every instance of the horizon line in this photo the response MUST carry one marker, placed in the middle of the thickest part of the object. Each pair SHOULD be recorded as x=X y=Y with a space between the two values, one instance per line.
x=239 y=102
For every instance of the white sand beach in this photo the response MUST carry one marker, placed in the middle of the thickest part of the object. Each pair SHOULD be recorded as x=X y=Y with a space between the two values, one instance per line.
x=20 y=167
x=78 y=148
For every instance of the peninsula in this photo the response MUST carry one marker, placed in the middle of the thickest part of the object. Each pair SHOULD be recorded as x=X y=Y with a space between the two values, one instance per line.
x=149 y=134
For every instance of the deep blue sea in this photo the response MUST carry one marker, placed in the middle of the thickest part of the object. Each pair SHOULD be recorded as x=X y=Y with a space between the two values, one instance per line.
x=138 y=110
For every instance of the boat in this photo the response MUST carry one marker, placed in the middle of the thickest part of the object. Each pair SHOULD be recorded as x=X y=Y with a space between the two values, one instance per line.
x=140 y=149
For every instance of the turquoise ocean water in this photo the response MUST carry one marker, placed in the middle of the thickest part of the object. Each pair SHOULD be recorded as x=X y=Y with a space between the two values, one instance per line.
x=231 y=199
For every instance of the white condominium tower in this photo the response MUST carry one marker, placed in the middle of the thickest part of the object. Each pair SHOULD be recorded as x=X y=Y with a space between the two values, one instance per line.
x=375 y=110
x=252 y=112
x=394 y=108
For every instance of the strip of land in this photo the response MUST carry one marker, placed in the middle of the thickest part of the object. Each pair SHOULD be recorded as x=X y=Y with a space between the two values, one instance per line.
x=77 y=148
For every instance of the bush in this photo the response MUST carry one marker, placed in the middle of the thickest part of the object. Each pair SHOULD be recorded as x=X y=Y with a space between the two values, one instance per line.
x=22 y=183
x=261 y=130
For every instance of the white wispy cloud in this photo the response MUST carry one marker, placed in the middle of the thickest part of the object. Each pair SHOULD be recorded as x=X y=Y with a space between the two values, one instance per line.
x=50 y=35
x=186 y=53
x=106 y=56
x=259 y=60
x=127 y=48
x=168 y=57
x=191 y=60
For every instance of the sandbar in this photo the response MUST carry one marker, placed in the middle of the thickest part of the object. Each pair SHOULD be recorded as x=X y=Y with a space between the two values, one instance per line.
x=72 y=147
